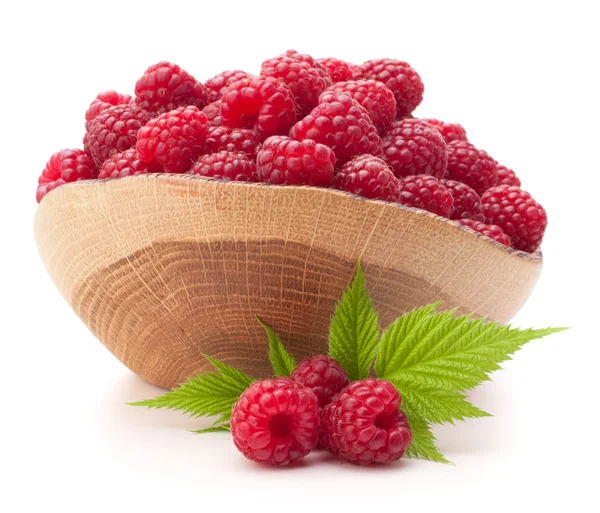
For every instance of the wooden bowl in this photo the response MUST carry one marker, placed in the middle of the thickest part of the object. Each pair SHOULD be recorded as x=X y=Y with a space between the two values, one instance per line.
x=162 y=268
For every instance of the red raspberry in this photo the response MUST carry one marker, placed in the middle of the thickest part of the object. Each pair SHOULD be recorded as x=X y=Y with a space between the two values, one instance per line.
x=285 y=161
x=320 y=69
x=521 y=217
x=450 y=131
x=217 y=85
x=104 y=101
x=262 y=103
x=367 y=176
x=412 y=147
x=341 y=123
x=213 y=113
x=127 y=163
x=165 y=86
x=467 y=203
x=373 y=96
x=223 y=138
x=364 y=424
x=226 y=164
x=323 y=375
x=174 y=139
x=489 y=230
x=63 y=167
x=427 y=193
x=112 y=131
x=275 y=421
x=507 y=176
x=338 y=70
x=469 y=165
x=404 y=82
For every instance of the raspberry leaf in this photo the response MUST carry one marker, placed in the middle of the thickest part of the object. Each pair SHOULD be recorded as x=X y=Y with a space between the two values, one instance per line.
x=354 y=330
x=213 y=429
x=283 y=363
x=423 y=444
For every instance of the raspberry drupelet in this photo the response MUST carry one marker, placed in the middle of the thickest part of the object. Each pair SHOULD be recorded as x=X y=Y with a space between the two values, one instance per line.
x=489 y=230
x=63 y=167
x=367 y=176
x=225 y=164
x=323 y=375
x=427 y=193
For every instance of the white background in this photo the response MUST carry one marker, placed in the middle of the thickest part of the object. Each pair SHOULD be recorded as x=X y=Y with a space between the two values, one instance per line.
x=521 y=77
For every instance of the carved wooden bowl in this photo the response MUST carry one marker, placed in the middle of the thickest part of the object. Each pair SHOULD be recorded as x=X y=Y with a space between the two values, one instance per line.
x=162 y=268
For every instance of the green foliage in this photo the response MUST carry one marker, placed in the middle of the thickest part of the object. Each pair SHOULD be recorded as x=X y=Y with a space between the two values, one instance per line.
x=283 y=363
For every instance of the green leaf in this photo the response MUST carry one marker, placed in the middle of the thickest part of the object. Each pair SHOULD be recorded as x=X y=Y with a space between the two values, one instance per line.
x=354 y=330
x=423 y=444
x=283 y=363
x=213 y=429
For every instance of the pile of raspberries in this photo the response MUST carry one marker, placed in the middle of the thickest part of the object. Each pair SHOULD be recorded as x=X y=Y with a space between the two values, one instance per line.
x=278 y=421
x=303 y=121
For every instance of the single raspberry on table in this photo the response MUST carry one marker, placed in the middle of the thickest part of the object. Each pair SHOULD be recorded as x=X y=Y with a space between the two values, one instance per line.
x=338 y=70
x=213 y=113
x=63 y=167
x=363 y=423
x=323 y=375
x=469 y=165
x=522 y=218
x=174 y=139
x=426 y=192
x=450 y=131
x=285 y=161
x=275 y=421
x=489 y=230
x=467 y=203
x=404 y=82
x=341 y=123
x=412 y=147
x=103 y=101
x=367 y=176
x=223 y=138
x=262 y=103
x=373 y=96
x=112 y=131
x=164 y=86
x=217 y=85
x=507 y=176
x=226 y=164
x=127 y=163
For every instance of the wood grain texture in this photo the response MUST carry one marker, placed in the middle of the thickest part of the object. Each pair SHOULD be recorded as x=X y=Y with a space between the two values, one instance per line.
x=162 y=268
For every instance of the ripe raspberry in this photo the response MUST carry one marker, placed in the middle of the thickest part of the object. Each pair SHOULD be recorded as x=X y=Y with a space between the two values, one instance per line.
x=341 y=123
x=303 y=80
x=338 y=70
x=427 y=193
x=223 y=138
x=174 y=139
x=217 y=85
x=226 y=164
x=112 y=131
x=364 y=424
x=104 y=101
x=165 y=86
x=403 y=80
x=319 y=68
x=63 y=167
x=467 y=203
x=262 y=103
x=373 y=96
x=521 y=217
x=412 y=147
x=127 y=163
x=489 y=230
x=450 y=131
x=285 y=161
x=469 y=165
x=213 y=113
x=323 y=375
x=367 y=176
x=275 y=421
x=507 y=176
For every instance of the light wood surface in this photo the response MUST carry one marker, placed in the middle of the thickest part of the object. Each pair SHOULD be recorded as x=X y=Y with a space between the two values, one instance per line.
x=162 y=268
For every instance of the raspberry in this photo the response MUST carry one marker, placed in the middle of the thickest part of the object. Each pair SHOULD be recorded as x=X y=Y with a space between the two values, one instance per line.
x=127 y=163
x=213 y=113
x=403 y=80
x=412 y=147
x=338 y=70
x=323 y=375
x=226 y=164
x=467 y=203
x=112 y=131
x=450 y=131
x=367 y=176
x=521 y=217
x=319 y=68
x=427 y=193
x=305 y=82
x=275 y=421
x=63 y=167
x=373 y=96
x=507 y=176
x=217 y=85
x=104 y=101
x=165 y=86
x=262 y=103
x=489 y=230
x=174 y=139
x=364 y=424
x=285 y=161
x=223 y=138
x=469 y=165
x=341 y=123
